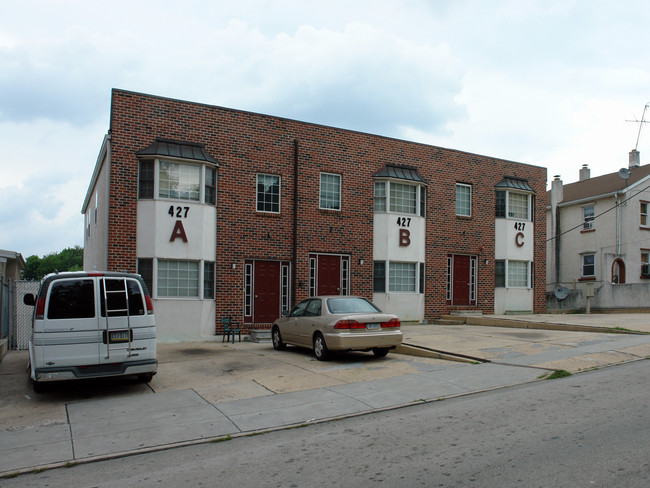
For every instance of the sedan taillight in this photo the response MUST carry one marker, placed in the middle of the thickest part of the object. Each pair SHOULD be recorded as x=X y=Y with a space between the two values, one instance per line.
x=349 y=324
x=391 y=323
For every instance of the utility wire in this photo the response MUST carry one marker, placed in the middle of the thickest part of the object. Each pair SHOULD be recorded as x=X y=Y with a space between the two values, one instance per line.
x=602 y=213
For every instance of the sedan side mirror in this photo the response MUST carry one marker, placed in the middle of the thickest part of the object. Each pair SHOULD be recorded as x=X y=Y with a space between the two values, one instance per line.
x=285 y=312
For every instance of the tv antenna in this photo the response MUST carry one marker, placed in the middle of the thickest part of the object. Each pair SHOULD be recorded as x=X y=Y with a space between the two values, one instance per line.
x=641 y=122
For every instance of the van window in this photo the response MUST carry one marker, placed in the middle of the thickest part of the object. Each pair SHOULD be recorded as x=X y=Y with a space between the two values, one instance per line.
x=72 y=299
x=116 y=301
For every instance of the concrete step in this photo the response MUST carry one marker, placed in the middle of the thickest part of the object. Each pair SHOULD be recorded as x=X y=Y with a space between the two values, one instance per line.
x=260 y=335
x=449 y=321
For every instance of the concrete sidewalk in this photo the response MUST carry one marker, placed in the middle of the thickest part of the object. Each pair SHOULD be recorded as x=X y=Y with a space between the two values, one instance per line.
x=211 y=390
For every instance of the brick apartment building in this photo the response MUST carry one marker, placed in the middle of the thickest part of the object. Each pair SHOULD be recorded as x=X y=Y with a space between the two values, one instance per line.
x=232 y=213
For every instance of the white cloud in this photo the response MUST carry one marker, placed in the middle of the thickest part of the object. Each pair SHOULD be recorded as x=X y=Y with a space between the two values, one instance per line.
x=546 y=82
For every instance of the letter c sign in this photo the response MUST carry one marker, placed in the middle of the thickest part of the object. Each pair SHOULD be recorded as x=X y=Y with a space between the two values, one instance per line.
x=519 y=239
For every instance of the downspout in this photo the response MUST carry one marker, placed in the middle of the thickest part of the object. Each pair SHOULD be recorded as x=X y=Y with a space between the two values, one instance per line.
x=618 y=225
x=557 y=245
x=294 y=272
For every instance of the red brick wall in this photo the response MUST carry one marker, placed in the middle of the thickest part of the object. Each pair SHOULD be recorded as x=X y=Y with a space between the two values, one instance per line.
x=247 y=143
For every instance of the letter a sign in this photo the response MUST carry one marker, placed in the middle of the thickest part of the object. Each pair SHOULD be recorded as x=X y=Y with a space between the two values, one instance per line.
x=178 y=231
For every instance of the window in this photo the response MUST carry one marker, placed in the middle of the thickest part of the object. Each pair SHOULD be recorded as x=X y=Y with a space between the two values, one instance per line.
x=210 y=186
x=178 y=278
x=380 y=196
x=208 y=279
x=145 y=269
x=587 y=217
x=179 y=181
x=117 y=303
x=500 y=204
x=146 y=179
x=268 y=193
x=644 y=215
x=513 y=205
x=248 y=290
x=645 y=263
x=72 y=299
x=330 y=191
x=401 y=277
x=379 y=277
x=517 y=274
x=499 y=273
x=463 y=200
x=588 y=265
x=421 y=277
x=518 y=206
x=402 y=198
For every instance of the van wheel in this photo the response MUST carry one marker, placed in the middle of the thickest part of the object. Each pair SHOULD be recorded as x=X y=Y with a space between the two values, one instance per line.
x=320 y=348
x=38 y=386
x=145 y=378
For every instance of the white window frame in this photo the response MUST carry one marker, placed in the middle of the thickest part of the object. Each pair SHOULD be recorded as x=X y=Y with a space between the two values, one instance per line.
x=330 y=191
x=402 y=277
x=583 y=265
x=180 y=170
x=644 y=209
x=389 y=198
x=463 y=200
x=264 y=203
x=177 y=279
x=645 y=263
x=588 y=215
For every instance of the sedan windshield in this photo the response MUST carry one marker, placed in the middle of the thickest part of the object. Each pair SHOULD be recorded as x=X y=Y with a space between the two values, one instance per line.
x=350 y=305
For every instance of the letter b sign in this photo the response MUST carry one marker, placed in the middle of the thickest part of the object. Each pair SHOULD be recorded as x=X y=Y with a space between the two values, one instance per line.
x=404 y=237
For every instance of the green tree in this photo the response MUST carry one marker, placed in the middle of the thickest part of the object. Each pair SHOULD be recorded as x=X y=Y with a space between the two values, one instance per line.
x=70 y=259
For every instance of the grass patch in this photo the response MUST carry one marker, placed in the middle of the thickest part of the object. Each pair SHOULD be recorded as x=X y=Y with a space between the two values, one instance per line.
x=221 y=439
x=560 y=373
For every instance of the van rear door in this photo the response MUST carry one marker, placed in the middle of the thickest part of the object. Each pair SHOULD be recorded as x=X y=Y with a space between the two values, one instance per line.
x=69 y=336
x=125 y=327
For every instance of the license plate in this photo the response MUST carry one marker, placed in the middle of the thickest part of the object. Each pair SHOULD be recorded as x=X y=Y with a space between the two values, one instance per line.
x=116 y=336
x=373 y=326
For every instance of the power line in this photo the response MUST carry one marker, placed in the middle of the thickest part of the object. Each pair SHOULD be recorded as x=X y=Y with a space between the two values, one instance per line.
x=600 y=214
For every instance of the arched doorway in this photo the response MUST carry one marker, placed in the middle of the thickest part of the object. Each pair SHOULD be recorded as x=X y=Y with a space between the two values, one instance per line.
x=618 y=272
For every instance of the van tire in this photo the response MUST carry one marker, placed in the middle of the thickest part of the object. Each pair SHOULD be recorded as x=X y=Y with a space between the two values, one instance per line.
x=145 y=377
x=38 y=386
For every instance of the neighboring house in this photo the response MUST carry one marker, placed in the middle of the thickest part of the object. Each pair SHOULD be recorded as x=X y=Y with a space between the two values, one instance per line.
x=599 y=240
x=232 y=213
x=11 y=264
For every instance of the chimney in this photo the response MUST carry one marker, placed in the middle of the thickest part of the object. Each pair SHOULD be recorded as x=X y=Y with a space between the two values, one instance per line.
x=635 y=159
x=585 y=173
x=557 y=191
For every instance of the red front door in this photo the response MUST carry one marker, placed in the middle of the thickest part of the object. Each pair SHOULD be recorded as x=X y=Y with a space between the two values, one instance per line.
x=463 y=280
x=266 y=291
x=329 y=275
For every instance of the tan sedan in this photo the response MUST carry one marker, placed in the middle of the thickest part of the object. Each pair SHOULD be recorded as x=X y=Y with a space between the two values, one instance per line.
x=337 y=323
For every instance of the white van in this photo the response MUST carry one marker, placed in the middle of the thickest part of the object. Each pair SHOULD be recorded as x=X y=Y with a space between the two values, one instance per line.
x=91 y=324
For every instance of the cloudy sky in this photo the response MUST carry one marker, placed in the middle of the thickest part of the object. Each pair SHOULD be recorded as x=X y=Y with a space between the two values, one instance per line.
x=546 y=82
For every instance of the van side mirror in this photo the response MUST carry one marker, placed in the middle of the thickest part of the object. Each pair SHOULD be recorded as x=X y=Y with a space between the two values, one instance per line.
x=29 y=299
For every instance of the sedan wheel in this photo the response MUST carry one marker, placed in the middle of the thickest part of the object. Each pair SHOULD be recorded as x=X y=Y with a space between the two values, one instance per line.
x=320 y=348
x=278 y=345
x=380 y=352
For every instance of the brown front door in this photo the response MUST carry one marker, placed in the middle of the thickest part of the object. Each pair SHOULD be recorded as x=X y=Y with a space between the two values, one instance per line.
x=463 y=280
x=266 y=291
x=329 y=275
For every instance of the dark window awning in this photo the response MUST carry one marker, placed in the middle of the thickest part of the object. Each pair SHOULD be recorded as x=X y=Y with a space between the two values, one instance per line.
x=514 y=183
x=399 y=172
x=177 y=149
